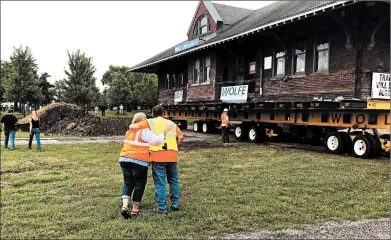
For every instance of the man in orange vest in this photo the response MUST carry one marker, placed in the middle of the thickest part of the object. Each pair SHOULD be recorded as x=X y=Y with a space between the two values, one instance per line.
x=224 y=125
x=134 y=161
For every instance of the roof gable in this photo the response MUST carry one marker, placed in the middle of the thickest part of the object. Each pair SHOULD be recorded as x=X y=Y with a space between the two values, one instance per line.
x=212 y=11
x=231 y=15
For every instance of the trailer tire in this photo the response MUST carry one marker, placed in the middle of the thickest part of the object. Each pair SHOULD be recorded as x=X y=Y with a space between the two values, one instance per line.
x=296 y=132
x=254 y=134
x=313 y=134
x=347 y=142
x=334 y=142
x=362 y=146
x=196 y=126
x=206 y=127
x=240 y=132
x=376 y=146
x=183 y=125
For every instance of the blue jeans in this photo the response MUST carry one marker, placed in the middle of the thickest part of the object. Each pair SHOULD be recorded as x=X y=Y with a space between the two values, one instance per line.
x=9 y=135
x=36 y=132
x=159 y=171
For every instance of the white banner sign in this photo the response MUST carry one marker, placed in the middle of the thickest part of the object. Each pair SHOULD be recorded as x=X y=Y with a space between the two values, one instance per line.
x=380 y=85
x=178 y=96
x=234 y=94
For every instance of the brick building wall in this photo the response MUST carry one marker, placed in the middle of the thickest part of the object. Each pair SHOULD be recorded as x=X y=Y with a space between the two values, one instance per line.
x=202 y=11
x=376 y=59
x=200 y=91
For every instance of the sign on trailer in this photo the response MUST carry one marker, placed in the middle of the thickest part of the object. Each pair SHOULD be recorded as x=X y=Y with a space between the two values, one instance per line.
x=380 y=86
x=234 y=94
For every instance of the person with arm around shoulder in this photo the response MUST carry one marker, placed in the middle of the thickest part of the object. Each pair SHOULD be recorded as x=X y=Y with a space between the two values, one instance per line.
x=34 y=130
x=134 y=161
x=9 y=121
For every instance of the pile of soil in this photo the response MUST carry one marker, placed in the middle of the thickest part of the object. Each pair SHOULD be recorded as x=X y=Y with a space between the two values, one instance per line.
x=69 y=119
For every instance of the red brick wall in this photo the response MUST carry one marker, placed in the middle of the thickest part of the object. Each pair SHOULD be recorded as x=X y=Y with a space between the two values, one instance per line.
x=201 y=11
x=376 y=59
x=202 y=92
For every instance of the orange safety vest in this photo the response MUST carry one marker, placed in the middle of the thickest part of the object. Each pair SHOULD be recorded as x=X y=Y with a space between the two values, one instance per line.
x=224 y=119
x=134 y=147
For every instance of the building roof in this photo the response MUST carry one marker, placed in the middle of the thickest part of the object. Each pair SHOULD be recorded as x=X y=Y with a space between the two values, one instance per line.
x=273 y=15
x=231 y=15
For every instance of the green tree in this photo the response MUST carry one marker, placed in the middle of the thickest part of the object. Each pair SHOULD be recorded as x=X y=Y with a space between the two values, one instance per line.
x=109 y=75
x=146 y=89
x=59 y=90
x=22 y=84
x=46 y=88
x=5 y=72
x=80 y=86
x=120 y=91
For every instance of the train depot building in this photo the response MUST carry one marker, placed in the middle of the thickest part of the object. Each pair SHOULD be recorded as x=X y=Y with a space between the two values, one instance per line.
x=324 y=64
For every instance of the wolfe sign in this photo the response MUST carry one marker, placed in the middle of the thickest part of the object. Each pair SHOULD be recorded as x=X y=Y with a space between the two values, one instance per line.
x=234 y=94
x=380 y=86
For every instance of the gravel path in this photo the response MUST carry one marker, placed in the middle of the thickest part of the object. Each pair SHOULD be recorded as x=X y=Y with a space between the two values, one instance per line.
x=365 y=229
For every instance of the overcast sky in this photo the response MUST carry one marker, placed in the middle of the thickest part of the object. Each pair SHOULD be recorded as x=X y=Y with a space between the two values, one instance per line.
x=117 y=33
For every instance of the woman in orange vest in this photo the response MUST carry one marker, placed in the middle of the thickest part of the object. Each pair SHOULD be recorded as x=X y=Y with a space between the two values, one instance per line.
x=134 y=161
x=224 y=125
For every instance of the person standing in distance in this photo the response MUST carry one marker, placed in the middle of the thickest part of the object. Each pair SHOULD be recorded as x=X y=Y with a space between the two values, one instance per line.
x=9 y=121
x=224 y=125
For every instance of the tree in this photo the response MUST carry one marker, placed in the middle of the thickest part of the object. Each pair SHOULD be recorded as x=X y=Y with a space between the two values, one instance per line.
x=80 y=85
x=146 y=89
x=120 y=91
x=108 y=76
x=5 y=72
x=22 y=83
x=59 y=90
x=46 y=88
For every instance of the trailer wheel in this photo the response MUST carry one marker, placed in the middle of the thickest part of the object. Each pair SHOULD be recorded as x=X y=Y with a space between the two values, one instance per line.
x=376 y=146
x=362 y=146
x=296 y=131
x=334 y=142
x=346 y=142
x=385 y=145
x=183 y=125
x=313 y=134
x=240 y=132
x=205 y=127
x=196 y=126
x=254 y=134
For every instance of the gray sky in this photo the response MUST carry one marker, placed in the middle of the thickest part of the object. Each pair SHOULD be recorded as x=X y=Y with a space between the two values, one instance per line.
x=117 y=33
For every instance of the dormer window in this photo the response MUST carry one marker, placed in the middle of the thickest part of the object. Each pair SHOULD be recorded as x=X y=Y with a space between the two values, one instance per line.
x=202 y=26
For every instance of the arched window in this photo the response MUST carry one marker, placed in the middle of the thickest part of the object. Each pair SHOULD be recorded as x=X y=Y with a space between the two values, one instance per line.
x=202 y=26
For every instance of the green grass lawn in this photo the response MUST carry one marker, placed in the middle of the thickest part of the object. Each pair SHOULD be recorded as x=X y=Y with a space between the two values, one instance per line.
x=113 y=114
x=73 y=192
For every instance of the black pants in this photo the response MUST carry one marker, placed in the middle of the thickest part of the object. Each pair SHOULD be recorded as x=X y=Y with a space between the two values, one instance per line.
x=6 y=138
x=135 y=179
x=225 y=134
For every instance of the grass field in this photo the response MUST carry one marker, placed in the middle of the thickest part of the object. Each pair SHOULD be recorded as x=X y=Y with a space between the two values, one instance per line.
x=73 y=192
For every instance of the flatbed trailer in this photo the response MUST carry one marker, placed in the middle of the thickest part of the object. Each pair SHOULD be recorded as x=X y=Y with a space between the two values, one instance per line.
x=314 y=120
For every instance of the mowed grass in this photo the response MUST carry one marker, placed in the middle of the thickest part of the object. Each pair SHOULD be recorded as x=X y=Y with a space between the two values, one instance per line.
x=73 y=192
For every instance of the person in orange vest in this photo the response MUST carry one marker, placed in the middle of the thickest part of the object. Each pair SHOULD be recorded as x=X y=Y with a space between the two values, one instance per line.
x=164 y=160
x=224 y=125
x=134 y=161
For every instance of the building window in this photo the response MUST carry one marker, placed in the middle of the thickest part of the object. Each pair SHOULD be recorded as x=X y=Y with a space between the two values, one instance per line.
x=167 y=81
x=280 y=63
x=206 y=77
x=196 y=75
x=322 y=53
x=201 y=27
x=299 y=57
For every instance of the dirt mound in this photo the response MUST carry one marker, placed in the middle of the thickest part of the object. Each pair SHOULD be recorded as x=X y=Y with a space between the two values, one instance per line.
x=69 y=119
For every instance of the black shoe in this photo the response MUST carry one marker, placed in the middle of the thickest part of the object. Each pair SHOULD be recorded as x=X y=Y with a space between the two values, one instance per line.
x=125 y=213
x=174 y=209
